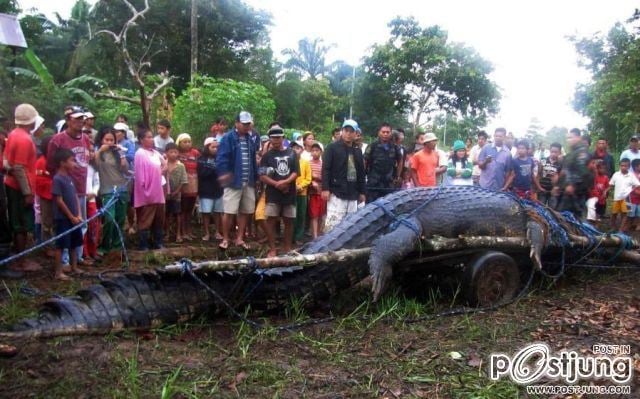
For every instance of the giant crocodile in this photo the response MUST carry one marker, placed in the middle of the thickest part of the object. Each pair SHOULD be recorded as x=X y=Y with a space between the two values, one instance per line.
x=392 y=226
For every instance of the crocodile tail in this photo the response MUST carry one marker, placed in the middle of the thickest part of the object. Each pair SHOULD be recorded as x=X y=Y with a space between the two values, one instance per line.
x=132 y=302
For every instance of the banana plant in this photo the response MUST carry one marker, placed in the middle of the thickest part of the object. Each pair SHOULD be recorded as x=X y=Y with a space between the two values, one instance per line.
x=79 y=88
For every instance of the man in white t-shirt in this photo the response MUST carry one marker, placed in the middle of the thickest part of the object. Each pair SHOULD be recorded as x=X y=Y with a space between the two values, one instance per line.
x=163 y=137
x=632 y=152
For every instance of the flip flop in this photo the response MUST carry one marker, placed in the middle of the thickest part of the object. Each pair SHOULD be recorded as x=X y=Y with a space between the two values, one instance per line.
x=223 y=245
x=243 y=245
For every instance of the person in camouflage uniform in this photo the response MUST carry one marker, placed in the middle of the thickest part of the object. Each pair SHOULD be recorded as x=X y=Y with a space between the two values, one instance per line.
x=576 y=177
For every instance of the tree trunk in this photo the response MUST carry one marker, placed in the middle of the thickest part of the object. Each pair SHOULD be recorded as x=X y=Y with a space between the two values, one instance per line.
x=194 y=38
x=145 y=104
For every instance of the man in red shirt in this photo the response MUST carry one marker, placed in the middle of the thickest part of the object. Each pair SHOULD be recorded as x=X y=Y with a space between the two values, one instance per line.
x=73 y=139
x=425 y=165
x=20 y=181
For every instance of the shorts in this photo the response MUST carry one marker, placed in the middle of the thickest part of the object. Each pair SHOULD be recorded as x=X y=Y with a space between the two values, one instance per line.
x=273 y=210
x=241 y=200
x=70 y=240
x=619 y=206
x=187 y=204
x=173 y=207
x=260 y=207
x=208 y=205
x=337 y=209
x=21 y=217
x=317 y=206
x=634 y=211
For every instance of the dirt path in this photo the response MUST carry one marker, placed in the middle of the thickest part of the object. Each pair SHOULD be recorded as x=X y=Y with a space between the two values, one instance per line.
x=367 y=351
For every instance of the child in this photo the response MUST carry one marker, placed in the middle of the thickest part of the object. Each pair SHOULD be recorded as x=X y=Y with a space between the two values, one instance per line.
x=302 y=182
x=317 y=206
x=407 y=180
x=92 y=235
x=43 y=194
x=624 y=182
x=177 y=178
x=521 y=178
x=634 y=198
x=550 y=168
x=163 y=137
x=261 y=203
x=209 y=189
x=66 y=212
x=598 y=193
x=459 y=168
x=189 y=158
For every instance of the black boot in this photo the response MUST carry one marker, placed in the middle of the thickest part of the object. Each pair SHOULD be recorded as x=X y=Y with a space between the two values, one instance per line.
x=143 y=240
x=157 y=238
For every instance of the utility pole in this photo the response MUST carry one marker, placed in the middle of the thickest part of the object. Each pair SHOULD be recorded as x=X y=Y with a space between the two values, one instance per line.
x=194 y=38
x=353 y=82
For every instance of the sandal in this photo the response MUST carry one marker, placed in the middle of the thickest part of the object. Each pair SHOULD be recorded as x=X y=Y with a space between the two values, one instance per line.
x=223 y=245
x=243 y=245
x=205 y=238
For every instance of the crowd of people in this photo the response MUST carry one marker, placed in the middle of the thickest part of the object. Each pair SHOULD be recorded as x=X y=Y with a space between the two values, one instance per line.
x=269 y=188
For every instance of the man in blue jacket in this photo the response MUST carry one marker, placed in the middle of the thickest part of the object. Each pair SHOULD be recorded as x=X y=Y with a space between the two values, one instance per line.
x=238 y=172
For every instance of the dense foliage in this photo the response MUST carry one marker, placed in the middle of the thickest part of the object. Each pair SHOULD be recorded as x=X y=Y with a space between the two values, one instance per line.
x=612 y=98
x=206 y=99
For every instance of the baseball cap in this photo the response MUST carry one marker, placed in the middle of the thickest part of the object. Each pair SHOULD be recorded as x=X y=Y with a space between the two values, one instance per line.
x=244 y=117
x=209 y=140
x=89 y=115
x=276 y=131
x=76 y=112
x=317 y=144
x=430 y=137
x=350 y=123
x=634 y=137
x=25 y=114
x=121 y=126
x=264 y=138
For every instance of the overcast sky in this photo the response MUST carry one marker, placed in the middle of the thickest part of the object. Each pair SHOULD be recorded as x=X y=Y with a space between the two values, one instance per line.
x=535 y=64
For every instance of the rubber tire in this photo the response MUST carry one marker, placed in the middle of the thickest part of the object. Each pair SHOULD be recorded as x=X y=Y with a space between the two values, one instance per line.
x=491 y=278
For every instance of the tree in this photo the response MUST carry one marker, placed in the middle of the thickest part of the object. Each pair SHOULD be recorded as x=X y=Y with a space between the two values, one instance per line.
x=557 y=135
x=207 y=98
x=309 y=59
x=136 y=67
x=427 y=74
x=612 y=99
x=534 y=131
x=456 y=128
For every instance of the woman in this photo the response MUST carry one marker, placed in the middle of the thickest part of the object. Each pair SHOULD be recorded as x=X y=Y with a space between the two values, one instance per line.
x=308 y=138
x=459 y=168
x=111 y=163
x=148 y=191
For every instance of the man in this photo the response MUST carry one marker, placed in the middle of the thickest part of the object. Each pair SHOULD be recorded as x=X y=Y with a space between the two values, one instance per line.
x=335 y=134
x=88 y=128
x=20 y=161
x=127 y=146
x=576 y=178
x=494 y=162
x=602 y=153
x=279 y=169
x=163 y=137
x=238 y=172
x=359 y=141
x=632 y=152
x=343 y=176
x=398 y=139
x=73 y=139
x=425 y=164
x=474 y=153
x=550 y=168
x=509 y=141
x=383 y=164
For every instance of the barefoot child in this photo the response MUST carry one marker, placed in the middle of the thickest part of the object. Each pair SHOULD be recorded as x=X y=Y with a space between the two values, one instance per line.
x=66 y=212
x=598 y=193
x=177 y=178
x=189 y=158
x=317 y=206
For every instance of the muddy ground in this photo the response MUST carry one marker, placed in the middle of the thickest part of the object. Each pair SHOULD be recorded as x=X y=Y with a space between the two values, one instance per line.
x=368 y=350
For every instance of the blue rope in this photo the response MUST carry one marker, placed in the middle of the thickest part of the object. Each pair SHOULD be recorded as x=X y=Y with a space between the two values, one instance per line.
x=43 y=244
x=397 y=220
